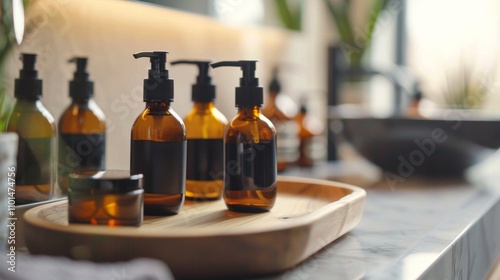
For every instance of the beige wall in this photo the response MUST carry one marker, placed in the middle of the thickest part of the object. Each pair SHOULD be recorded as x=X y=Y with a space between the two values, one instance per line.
x=109 y=32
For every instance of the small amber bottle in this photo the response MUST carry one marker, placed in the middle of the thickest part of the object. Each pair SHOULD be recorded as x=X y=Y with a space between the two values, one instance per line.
x=250 y=175
x=305 y=136
x=158 y=142
x=205 y=126
x=37 y=137
x=281 y=111
x=82 y=129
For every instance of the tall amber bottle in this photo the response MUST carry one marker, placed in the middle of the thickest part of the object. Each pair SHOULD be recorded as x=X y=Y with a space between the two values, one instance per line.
x=205 y=126
x=281 y=111
x=158 y=142
x=82 y=129
x=250 y=175
x=37 y=137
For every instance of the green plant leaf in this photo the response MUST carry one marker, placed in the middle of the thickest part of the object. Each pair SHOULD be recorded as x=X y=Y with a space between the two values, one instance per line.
x=291 y=19
x=353 y=45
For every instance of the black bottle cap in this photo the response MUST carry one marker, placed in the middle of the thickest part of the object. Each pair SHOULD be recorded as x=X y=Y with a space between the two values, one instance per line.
x=157 y=87
x=28 y=85
x=275 y=85
x=80 y=88
x=203 y=90
x=248 y=93
x=105 y=182
x=303 y=105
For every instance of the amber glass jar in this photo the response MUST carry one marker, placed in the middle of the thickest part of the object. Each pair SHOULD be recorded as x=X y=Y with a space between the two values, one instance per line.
x=113 y=198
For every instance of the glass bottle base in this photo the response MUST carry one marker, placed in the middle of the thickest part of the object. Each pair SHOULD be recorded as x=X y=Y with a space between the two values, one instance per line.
x=210 y=190
x=250 y=201
x=162 y=204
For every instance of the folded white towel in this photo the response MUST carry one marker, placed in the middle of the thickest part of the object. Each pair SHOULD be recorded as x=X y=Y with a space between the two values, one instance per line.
x=30 y=267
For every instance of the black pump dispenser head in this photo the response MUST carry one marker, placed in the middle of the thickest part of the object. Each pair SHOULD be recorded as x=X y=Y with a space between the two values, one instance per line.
x=157 y=87
x=248 y=93
x=80 y=88
x=28 y=85
x=203 y=90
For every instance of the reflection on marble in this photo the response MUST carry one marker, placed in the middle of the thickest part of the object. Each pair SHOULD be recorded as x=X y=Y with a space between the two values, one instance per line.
x=440 y=230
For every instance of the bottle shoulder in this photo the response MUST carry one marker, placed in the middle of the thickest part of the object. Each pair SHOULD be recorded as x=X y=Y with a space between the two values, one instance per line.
x=82 y=118
x=213 y=117
x=31 y=119
x=250 y=129
x=205 y=124
x=163 y=126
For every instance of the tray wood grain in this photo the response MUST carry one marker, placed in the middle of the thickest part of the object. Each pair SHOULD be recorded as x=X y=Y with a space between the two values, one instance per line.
x=205 y=240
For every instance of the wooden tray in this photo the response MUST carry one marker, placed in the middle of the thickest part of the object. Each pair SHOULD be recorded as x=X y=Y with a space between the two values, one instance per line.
x=205 y=240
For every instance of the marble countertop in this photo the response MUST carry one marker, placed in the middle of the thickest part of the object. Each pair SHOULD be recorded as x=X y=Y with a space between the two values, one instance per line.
x=425 y=229
x=420 y=228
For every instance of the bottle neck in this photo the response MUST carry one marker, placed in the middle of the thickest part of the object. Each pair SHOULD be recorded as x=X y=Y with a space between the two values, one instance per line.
x=203 y=106
x=81 y=100
x=158 y=106
x=249 y=112
x=30 y=99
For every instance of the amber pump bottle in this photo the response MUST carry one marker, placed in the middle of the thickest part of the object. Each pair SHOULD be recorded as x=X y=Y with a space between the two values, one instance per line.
x=158 y=142
x=249 y=147
x=37 y=137
x=281 y=112
x=205 y=126
x=82 y=129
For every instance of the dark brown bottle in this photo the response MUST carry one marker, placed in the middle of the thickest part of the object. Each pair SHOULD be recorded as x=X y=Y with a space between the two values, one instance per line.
x=205 y=126
x=158 y=143
x=250 y=167
x=37 y=137
x=82 y=129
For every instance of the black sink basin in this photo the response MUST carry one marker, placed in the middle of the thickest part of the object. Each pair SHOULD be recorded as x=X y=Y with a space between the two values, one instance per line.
x=430 y=147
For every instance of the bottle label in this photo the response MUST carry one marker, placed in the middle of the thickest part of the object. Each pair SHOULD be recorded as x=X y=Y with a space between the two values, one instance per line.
x=34 y=161
x=163 y=165
x=250 y=166
x=79 y=152
x=205 y=159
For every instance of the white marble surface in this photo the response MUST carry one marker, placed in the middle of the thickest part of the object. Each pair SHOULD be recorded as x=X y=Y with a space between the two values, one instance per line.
x=420 y=229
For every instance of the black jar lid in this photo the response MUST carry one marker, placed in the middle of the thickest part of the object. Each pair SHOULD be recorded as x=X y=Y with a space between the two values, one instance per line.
x=105 y=182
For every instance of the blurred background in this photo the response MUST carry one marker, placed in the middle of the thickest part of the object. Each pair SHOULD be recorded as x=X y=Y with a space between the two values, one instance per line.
x=390 y=59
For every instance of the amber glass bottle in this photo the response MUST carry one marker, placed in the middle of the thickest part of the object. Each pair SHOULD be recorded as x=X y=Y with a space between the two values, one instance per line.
x=250 y=175
x=309 y=130
x=82 y=129
x=281 y=111
x=37 y=137
x=158 y=143
x=205 y=126
x=305 y=136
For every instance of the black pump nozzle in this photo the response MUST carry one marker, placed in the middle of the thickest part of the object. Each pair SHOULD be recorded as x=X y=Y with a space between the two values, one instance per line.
x=157 y=87
x=203 y=90
x=248 y=93
x=80 y=88
x=28 y=85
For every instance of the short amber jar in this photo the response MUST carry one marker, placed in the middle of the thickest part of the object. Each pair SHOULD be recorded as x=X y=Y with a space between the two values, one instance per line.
x=112 y=197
